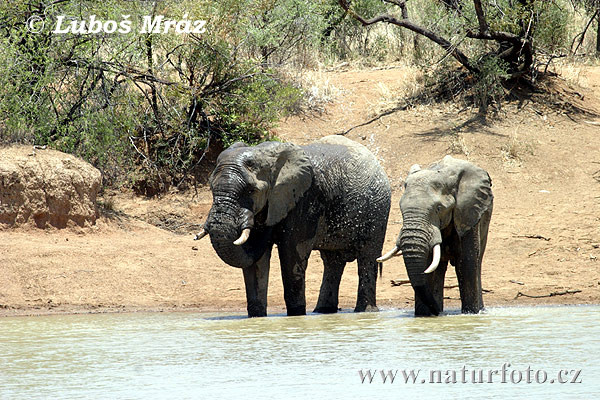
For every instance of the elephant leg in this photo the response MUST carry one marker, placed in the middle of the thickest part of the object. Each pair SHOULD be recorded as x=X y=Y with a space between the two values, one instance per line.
x=293 y=270
x=367 y=283
x=435 y=284
x=334 y=265
x=468 y=272
x=256 y=279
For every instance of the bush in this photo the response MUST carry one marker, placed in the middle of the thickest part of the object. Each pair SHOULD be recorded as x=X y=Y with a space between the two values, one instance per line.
x=144 y=107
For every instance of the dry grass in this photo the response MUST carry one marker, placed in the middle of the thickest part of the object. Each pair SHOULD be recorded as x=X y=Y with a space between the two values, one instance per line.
x=391 y=97
x=515 y=149
x=458 y=146
x=572 y=73
x=316 y=87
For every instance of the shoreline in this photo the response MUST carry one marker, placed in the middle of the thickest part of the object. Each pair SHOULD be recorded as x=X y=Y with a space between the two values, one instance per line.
x=453 y=308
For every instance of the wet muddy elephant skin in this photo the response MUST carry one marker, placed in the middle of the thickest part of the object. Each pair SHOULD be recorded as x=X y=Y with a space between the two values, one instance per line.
x=331 y=196
x=446 y=211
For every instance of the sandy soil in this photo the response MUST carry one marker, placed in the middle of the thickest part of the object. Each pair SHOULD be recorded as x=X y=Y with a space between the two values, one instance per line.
x=544 y=236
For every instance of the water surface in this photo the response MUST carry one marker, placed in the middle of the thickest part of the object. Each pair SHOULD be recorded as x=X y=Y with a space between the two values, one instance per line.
x=198 y=356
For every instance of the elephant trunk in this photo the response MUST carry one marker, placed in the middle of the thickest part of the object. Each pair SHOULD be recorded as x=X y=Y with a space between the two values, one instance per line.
x=417 y=239
x=225 y=223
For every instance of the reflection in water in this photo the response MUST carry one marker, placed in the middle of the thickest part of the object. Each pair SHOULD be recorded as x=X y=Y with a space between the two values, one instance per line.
x=188 y=355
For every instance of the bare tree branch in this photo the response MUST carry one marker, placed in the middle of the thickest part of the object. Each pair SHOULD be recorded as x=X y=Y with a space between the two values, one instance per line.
x=581 y=35
x=401 y=4
x=483 y=26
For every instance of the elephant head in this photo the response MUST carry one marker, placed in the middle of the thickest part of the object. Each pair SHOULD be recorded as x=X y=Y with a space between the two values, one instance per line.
x=448 y=197
x=253 y=189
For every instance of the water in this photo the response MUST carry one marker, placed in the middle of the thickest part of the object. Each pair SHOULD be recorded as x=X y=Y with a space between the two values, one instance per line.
x=196 y=356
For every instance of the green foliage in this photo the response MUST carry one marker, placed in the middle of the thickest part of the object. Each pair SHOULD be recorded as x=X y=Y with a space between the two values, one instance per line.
x=488 y=88
x=346 y=39
x=552 y=32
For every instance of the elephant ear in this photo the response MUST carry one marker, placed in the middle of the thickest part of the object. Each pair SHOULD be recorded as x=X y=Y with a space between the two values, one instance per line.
x=292 y=175
x=473 y=195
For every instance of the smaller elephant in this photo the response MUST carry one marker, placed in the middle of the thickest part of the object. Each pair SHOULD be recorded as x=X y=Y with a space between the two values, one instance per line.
x=446 y=211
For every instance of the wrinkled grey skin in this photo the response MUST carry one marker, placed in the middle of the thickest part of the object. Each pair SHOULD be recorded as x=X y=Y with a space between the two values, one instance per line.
x=331 y=196
x=450 y=203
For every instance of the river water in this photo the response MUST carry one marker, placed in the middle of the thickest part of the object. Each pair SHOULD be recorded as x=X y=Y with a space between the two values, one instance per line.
x=501 y=353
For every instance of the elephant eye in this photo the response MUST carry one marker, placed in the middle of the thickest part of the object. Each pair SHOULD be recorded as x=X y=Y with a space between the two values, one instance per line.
x=439 y=207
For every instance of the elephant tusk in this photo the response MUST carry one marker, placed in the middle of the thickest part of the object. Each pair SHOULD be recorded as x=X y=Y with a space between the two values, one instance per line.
x=200 y=234
x=437 y=255
x=394 y=252
x=243 y=237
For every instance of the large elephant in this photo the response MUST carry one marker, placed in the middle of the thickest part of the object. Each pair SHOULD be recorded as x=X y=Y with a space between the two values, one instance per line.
x=446 y=211
x=331 y=195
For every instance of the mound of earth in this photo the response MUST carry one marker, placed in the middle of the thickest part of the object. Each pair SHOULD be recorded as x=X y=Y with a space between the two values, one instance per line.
x=46 y=187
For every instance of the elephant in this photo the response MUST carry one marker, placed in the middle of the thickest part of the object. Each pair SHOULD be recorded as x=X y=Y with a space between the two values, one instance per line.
x=331 y=195
x=446 y=210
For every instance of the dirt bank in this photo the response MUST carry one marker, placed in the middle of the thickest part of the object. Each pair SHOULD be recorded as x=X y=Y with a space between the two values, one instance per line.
x=544 y=235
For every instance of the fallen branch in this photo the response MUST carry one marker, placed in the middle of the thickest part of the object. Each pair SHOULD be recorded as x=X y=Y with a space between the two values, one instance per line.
x=520 y=294
x=383 y=114
x=516 y=282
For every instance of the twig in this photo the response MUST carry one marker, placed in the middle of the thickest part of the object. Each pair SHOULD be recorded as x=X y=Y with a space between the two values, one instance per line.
x=517 y=282
x=400 y=282
x=548 y=295
x=533 y=237
x=571 y=118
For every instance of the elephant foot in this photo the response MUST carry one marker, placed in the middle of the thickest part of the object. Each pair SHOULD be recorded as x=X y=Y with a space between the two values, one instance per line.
x=326 y=310
x=471 y=310
x=257 y=311
x=422 y=310
x=293 y=311
x=367 y=308
x=257 y=314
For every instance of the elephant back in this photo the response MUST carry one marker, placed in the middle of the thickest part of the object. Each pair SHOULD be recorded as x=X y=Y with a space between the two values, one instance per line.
x=353 y=182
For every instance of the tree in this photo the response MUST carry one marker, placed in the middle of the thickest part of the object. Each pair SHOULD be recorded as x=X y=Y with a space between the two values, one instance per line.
x=508 y=27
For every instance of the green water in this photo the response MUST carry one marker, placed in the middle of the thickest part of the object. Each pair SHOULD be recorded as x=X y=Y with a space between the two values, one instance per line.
x=197 y=356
